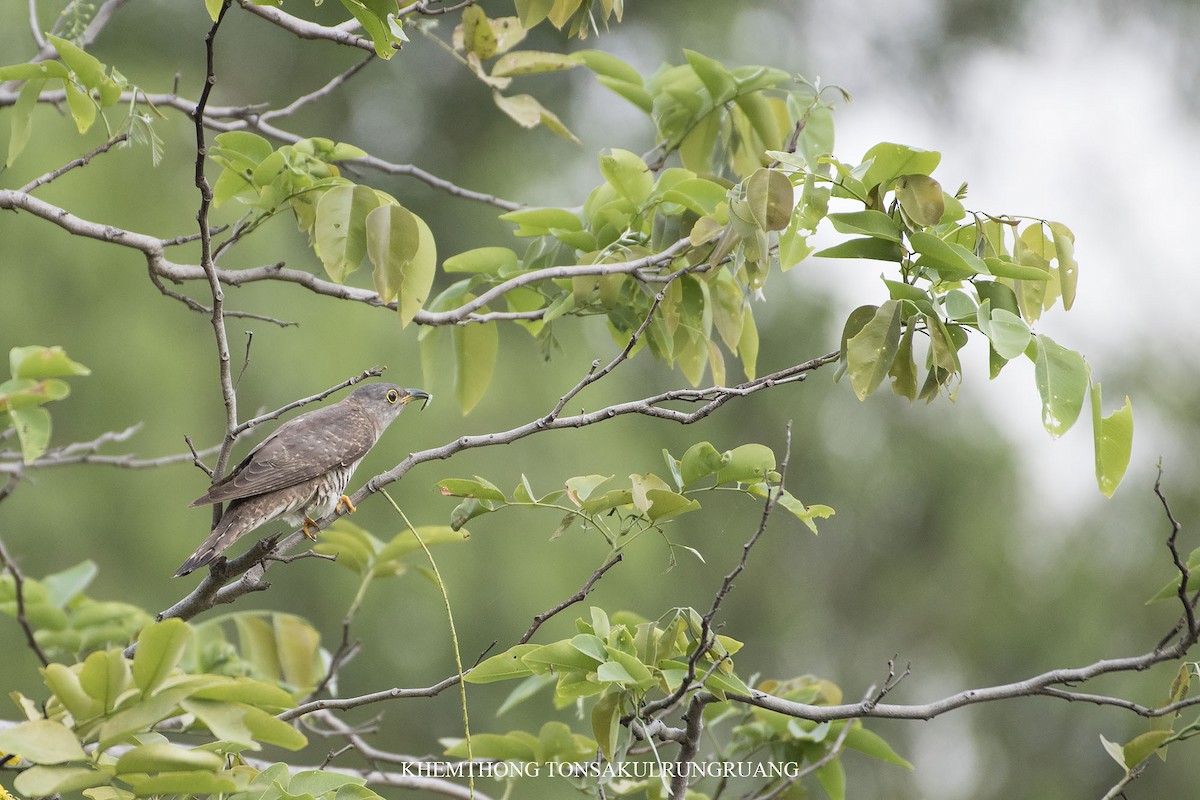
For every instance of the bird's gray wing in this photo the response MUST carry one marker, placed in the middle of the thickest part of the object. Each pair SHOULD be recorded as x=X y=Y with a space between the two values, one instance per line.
x=299 y=450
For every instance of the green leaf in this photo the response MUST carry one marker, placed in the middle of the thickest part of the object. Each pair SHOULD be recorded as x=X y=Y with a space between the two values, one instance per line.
x=1142 y=747
x=540 y=221
x=921 y=197
x=484 y=260
x=386 y=34
x=1062 y=380
x=607 y=65
x=299 y=646
x=478 y=488
x=105 y=676
x=581 y=487
x=747 y=347
x=246 y=690
x=871 y=351
x=42 y=741
x=506 y=666
x=890 y=161
x=160 y=646
x=526 y=111
x=515 y=746
x=1008 y=333
x=1113 y=441
x=225 y=720
x=903 y=370
x=832 y=777
x=748 y=463
x=869 y=248
x=532 y=12
x=952 y=261
x=33 y=72
x=33 y=430
x=665 y=503
x=166 y=757
x=606 y=723
x=22 y=117
x=713 y=74
x=36 y=361
x=561 y=656
x=1004 y=268
x=477 y=34
x=186 y=783
x=81 y=105
x=406 y=542
x=531 y=62
x=770 y=197
x=268 y=729
x=628 y=174
x=340 y=233
x=86 y=66
x=1068 y=268
x=700 y=461
x=401 y=247
x=872 y=223
x=873 y=745
x=475 y=348
x=40 y=781
x=62 y=587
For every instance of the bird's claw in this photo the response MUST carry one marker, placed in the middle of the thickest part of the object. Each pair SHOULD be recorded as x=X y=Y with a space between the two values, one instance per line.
x=345 y=501
x=309 y=528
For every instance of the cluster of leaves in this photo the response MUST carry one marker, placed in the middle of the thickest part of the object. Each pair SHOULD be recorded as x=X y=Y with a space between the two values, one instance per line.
x=991 y=275
x=618 y=665
x=36 y=380
x=648 y=503
x=800 y=741
x=720 y=123
x=1163 y=730
x=96 y=730
x=345 y=222
x=89 y=86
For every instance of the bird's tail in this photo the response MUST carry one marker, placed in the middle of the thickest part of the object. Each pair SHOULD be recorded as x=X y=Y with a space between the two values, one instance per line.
x=228 y=530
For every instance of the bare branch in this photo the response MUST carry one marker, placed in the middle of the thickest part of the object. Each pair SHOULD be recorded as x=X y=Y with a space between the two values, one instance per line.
x=324 y=91
x=42 y=180
x=345 y=703
x=19 y=589
x=1024 y=688
x=304 y=29
x=373 y=372
x=1189 y=605
x=35 y=27
x=224 y=366
x=85 y=453
x=572 y=600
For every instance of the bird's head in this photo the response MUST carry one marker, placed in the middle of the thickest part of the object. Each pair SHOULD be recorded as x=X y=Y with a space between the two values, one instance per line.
x=384 y=401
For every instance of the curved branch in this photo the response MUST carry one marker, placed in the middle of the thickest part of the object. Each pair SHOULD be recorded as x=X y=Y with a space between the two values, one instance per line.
x=304 y=29
x=1037 y=685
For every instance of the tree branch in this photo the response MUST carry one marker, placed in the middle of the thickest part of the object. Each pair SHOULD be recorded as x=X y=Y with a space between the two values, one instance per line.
x=304 y=29
x=19 y=589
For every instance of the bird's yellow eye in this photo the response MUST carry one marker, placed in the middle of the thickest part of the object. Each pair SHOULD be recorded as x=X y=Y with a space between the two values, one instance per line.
x=392 y=396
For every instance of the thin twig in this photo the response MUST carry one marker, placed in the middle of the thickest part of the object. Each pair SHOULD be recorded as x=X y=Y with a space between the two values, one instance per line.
x=541 y=618
x=42 y=180
x=10 y=564
x=329 y=87
x=1189 y=609
x=373 y=372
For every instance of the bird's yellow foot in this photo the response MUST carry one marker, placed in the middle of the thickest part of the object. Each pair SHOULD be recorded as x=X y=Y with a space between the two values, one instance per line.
x=345 y=501
x=309 y=527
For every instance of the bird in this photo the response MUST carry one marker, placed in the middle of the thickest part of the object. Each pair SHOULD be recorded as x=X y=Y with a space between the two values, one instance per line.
x=300 y=471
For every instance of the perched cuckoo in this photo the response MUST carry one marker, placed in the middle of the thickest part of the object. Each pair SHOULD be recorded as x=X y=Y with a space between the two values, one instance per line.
x=300 y=471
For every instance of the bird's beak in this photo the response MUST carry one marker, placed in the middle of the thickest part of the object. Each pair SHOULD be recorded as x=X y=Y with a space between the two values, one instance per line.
x=417 y=394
